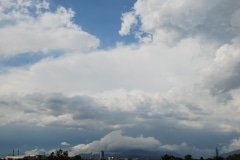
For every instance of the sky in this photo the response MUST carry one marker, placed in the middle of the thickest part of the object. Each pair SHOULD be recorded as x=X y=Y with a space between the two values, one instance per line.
x=85 y=76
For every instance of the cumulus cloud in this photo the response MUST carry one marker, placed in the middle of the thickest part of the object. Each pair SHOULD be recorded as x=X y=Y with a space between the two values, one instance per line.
x=222 y=75
x=130 y=67
x=30 y=26
x=169 y=22
x=162 y=86
x=214 y=25
x=117 y=141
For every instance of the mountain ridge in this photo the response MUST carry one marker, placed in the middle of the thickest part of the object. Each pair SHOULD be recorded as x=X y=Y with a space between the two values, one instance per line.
x=231 y=153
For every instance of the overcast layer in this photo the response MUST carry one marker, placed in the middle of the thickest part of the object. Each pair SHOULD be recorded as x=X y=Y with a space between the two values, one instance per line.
x=175 y=88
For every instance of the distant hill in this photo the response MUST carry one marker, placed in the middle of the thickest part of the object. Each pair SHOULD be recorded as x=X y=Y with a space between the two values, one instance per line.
x=231 y=153
x=136 y=153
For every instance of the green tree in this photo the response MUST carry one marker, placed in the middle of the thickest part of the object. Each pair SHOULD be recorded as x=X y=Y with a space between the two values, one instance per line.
x=59 y=155
x=51 y=156
x=77 y=157
x=218 y=158
x=233 y=157
x=166 y=157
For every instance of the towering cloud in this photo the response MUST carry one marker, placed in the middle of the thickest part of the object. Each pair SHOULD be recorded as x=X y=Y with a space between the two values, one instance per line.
x=170 y=21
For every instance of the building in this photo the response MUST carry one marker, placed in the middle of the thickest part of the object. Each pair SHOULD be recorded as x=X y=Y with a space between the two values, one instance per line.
x=101 y=155
x=24 y=157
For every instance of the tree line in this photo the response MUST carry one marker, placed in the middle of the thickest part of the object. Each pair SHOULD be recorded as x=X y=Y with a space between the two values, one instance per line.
x=63 y=155
x=189 y=157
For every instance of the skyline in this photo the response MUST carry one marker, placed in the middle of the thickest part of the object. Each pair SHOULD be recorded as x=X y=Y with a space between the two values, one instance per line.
x=116 y=75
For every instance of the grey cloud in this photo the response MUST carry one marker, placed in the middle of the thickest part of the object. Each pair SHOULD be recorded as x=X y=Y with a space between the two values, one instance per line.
x=57 y=104
x=91 y=113
x=3 y=102
x=223 y=97
x=223 y=74
x=159 y=118
x=228 y=83
x=178 y=116
x=231 y=82
x=51 y=109
x=195 y=109
x=88 y=112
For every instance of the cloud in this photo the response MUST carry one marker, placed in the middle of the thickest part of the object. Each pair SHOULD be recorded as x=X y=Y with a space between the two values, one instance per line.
x=130 y=67
x=36 y=151
x=170 y=22
x=233 y=145
x=65 y=144
x=58 y=110
x=30 y=26
x=128 y=19
x=222 y=75
x=119 y=109
x=181 y=78
x=117 y=141
x=214 y=26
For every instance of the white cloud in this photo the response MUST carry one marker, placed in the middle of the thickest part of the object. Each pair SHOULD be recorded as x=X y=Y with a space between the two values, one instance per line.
x=116 y=140
x=193 y=49
x=45 y=31
x=170 y=21
x=129 y=20
x=124 y=67
x=65 y=144
x=234 y=145
x=36 y=151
